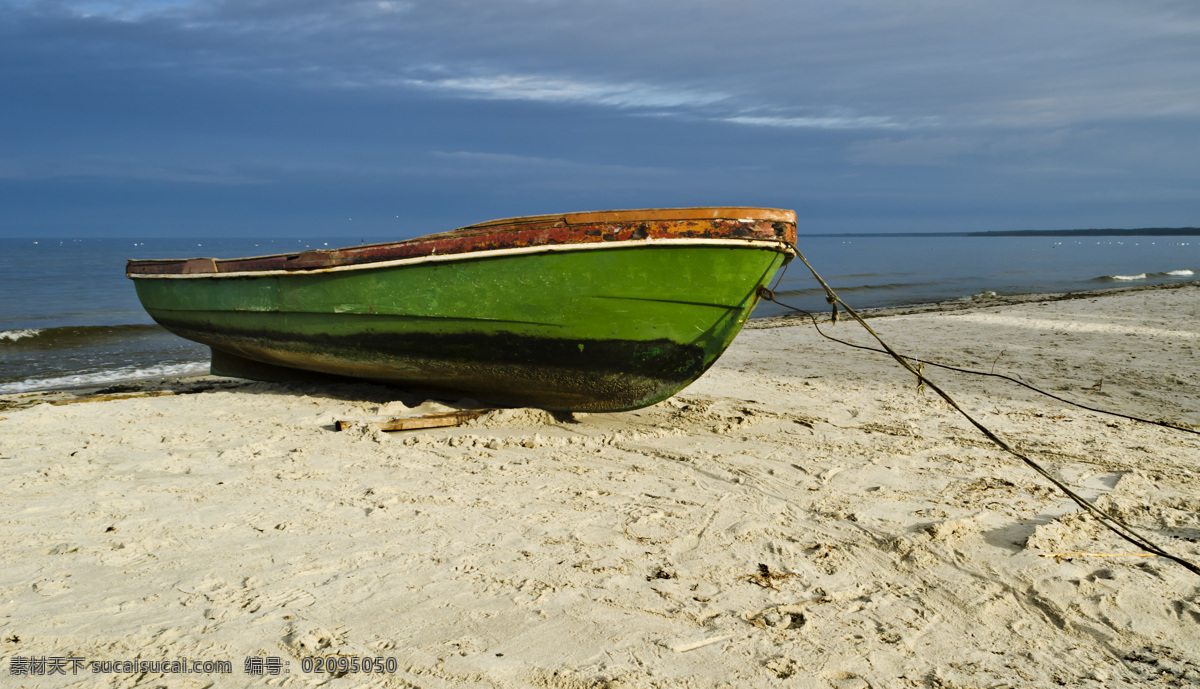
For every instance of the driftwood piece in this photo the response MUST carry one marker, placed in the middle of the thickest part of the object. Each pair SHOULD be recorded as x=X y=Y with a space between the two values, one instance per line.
x=411 y=423
x=685 y=646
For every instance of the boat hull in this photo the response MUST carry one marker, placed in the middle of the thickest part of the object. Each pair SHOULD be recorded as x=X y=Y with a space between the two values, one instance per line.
x=592 y=328
x=593 y=311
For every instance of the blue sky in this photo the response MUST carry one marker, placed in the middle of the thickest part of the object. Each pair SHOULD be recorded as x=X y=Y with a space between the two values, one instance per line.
x=402 y=117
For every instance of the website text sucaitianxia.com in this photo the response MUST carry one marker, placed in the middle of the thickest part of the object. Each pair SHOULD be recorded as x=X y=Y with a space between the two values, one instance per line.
x=28 y=666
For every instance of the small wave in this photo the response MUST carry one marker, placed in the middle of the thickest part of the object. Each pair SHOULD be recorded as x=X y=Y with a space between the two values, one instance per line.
x=194 y=368
x=1126 y=278
x=981 y=296
x=887 y=286
x=799 y=292
x=864 y=287
x=74 y=336
x=1180 y=273
x=14 y=335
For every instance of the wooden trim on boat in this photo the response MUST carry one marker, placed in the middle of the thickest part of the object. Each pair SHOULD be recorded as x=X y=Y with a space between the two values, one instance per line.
x=651 y=214
x=775 y=245
x=593 y=229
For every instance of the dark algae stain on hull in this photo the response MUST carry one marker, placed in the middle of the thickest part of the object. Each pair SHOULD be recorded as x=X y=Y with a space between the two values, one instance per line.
x=510 y=370
x=582 y=321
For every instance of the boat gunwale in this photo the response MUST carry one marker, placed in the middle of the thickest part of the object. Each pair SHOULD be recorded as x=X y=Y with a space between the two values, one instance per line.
x=734 y=223
x=645 y=214
x=760 y=244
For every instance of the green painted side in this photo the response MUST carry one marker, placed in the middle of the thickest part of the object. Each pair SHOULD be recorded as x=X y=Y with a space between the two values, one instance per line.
x=597 y=329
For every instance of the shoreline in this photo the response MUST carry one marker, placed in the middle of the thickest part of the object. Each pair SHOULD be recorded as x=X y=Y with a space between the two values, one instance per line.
x=800 y=516
x=181 y=384
x=970 y=303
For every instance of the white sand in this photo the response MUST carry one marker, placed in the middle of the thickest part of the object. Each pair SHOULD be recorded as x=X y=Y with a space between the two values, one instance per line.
x=626 y=550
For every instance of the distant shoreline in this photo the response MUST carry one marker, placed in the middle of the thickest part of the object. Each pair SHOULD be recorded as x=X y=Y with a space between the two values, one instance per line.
x=1137 y=232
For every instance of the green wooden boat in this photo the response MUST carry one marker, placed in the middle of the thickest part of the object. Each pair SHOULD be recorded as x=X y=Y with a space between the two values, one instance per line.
x=598 y=311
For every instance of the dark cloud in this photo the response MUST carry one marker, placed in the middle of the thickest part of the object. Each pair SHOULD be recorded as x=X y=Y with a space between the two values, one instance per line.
x=286 y=116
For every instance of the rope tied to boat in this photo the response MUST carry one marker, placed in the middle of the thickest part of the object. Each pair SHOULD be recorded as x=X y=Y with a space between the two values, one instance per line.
x=1109 y=521
x=831 y=299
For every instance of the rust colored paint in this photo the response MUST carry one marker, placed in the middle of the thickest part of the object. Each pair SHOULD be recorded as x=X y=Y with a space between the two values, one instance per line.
x=750 y=224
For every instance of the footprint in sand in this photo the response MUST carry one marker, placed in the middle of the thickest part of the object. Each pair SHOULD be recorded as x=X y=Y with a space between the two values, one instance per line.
x=286 y=598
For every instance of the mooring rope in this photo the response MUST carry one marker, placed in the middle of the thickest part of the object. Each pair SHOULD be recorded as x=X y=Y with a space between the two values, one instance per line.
x=769 y=295
x=816 y=324
x=1107 y=520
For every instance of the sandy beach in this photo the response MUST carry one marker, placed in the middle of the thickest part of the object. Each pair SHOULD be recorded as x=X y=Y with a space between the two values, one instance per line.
x=802 y=516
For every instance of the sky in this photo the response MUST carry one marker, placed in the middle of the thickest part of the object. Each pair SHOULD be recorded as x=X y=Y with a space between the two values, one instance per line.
x=345 y=118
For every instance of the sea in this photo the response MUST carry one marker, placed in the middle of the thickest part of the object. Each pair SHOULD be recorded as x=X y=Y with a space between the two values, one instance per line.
x=70 y=318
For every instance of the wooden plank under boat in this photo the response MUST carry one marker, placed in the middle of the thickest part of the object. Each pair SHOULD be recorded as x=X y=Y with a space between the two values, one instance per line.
x=596 y=311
